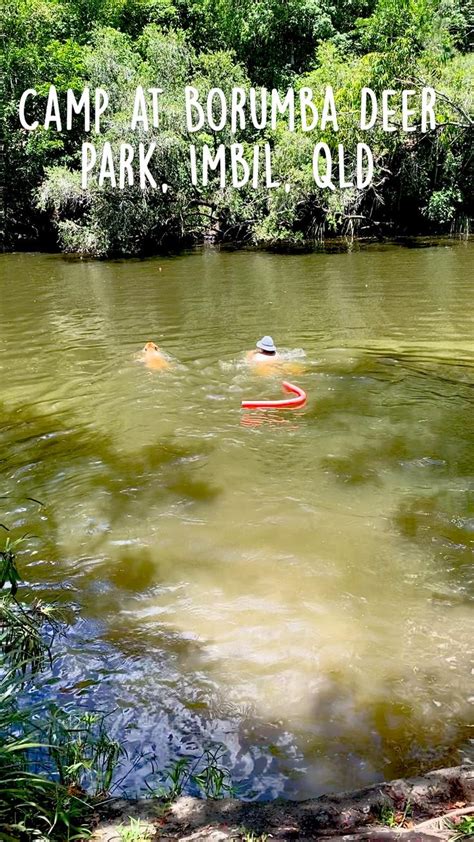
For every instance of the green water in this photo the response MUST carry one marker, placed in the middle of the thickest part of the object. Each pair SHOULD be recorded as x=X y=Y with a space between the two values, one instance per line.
x=301 y=591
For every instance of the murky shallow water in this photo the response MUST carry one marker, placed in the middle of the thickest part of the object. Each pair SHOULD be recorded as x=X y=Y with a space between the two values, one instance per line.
x=300 y=591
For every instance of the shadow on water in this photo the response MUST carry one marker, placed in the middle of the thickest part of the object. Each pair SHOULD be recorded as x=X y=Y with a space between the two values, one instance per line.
x=444 y=523
x=40 y=453
x=432 y=463
x=112 y=658
x=389 y=737
x=433 y=460
x=402 y=397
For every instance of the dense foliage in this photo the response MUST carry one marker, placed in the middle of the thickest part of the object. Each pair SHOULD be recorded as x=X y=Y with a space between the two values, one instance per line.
x=423 y=182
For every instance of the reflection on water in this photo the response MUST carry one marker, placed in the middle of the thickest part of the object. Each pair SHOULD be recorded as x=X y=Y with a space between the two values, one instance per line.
x=300 y=591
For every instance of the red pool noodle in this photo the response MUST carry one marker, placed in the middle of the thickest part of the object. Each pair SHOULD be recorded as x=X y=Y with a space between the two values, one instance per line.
x=286 y=403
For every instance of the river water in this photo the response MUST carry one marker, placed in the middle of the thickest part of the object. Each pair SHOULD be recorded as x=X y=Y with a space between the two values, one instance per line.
x=296 y=585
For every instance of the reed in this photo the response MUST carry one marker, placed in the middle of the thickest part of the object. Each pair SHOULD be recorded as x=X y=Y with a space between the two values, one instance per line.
x=52 y=803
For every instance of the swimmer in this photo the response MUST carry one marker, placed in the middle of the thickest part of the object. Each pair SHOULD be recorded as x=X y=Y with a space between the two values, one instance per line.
x=264 y=352
x=154 y=358
x=267 y=361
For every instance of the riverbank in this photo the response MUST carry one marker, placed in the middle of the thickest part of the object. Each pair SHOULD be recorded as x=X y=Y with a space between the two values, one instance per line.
x=342 y=244
x=423 y=808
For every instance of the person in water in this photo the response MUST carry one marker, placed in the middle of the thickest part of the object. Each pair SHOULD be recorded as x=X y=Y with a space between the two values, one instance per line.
x=154 y=358
x=264 y=352
x=267 y=361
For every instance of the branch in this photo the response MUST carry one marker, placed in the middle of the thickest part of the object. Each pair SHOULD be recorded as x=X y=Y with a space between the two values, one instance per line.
x=416 y=80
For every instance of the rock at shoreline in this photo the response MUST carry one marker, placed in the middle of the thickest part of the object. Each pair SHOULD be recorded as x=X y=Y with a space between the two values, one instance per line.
x=435 y=800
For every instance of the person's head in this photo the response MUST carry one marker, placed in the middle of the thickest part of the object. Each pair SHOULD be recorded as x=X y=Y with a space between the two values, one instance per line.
x=150 y=346
x=267 y=346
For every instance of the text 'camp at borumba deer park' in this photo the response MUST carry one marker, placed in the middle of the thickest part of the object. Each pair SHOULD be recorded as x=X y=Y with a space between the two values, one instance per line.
x=231 y=163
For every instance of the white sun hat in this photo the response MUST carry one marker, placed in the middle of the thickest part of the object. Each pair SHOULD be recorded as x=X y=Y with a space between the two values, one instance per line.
x=266 y=344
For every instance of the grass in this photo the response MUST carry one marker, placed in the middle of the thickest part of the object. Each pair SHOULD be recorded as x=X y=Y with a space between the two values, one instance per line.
x=464 y=829
x=395 y=818
x=136 y=831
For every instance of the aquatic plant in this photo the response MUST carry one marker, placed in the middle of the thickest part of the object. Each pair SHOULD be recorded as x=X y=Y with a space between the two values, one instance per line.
x=30 y=803
x=207 y=773
x=9 y=574
x=83 y=753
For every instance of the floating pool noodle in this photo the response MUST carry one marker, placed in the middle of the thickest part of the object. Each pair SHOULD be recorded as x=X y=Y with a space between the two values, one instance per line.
x=286 y=403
